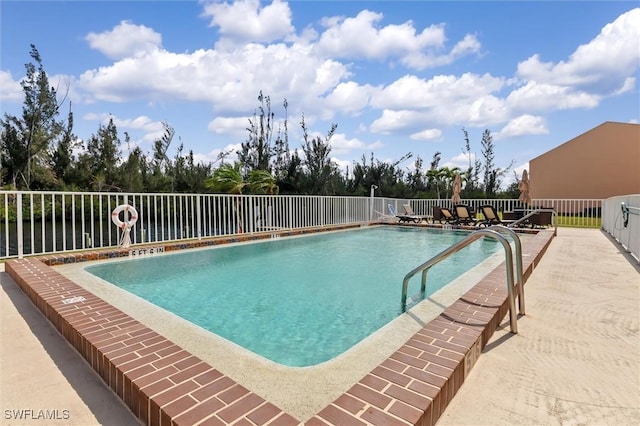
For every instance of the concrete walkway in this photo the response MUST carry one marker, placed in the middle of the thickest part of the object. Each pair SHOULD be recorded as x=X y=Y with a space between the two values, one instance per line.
x=43 y=380
x=576 y=358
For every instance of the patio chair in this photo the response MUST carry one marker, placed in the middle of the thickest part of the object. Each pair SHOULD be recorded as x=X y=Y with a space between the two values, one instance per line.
x=464 y=216
x=391 y=217
x=408 y=210
x=492 y=218
x=401 y=217
x=541 y=219
x=447 y=216
x=437 y=215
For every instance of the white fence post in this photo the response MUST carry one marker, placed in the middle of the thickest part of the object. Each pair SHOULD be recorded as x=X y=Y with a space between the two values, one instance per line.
x=199 y=215
x=168 y=216
x=19 y=228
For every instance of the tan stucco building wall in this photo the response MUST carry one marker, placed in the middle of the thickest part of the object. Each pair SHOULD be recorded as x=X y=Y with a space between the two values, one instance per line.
x=601 y=163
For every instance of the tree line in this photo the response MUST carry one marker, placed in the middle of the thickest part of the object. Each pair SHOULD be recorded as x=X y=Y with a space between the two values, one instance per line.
x=39 y=151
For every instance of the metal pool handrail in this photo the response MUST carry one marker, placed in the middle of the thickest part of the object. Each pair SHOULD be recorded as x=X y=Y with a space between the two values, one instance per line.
x=554 y=216
x=458 y=246
x=519 y=268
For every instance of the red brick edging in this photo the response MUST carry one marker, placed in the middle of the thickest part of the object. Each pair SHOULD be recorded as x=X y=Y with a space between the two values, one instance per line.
x=163 y=384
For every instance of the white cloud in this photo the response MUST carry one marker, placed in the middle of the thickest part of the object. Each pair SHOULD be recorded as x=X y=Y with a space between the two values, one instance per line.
x=349 y=97
x=150 y=129
x=360 y=37
x=340 y=144
x=229 y=125
x=375 y=145
x=627 y=86
x=413 y=92
x=411 y=102
x=213 y=156
x=600 y=66
x=92 y=116
x=540 y=97
x=460 y=161
x=228 y=80
x=245 y=21
x=421 y=60
x=509 y=178
x=523 y=125
x=297 y=67
x=343 y=165
x=10 y=90
x=125 y=40
x=391 y=121
x=427 y=134
x=469 y=44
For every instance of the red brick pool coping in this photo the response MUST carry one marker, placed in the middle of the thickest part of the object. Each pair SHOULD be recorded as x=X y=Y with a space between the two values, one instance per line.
x=163 y=384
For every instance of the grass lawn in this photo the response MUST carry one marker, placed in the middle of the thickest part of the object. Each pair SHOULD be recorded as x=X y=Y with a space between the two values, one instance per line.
x=579 y=222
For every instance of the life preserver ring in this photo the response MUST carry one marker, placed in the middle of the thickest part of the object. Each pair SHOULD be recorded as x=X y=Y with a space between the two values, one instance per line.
x=133 y=216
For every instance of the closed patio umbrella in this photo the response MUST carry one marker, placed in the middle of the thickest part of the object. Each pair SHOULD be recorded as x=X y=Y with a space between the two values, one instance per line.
x=456 y=189
x=524 y=188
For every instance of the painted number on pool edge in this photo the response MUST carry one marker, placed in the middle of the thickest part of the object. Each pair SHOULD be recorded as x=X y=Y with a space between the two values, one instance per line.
x=146 y=251
x=73 y=300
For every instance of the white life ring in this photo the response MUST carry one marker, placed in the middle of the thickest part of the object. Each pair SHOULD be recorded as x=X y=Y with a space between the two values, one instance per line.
x=133 y=216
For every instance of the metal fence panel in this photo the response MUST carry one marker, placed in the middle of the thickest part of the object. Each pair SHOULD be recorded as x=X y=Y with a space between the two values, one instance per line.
x=50 y=222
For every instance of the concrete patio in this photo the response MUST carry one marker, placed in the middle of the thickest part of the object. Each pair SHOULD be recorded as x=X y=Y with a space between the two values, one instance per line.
x=575 y=360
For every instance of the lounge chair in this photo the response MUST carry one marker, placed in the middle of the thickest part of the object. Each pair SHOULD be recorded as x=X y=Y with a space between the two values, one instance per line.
x=491 y=217
x=447 y=216
x=464 y=216
x=383 y=217
x=437 y=215
x=400 y=217
x=541 y=219
x=408 y=210
x=408 y=217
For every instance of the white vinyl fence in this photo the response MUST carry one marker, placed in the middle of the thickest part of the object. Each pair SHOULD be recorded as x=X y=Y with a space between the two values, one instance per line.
x=621 y=220
x=571 y=212
x=51 y=222
x=34 y=222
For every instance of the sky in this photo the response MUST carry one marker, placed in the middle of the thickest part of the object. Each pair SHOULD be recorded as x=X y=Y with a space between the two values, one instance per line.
x=396 y=77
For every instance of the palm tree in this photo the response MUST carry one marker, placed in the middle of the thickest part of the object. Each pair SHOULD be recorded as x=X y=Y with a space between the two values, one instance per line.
x=434 y=177
x=228 y=179
x=444 y=177
x=262 y=182
x=447 y=175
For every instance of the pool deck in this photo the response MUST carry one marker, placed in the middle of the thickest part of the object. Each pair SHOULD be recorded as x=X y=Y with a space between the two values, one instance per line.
x=586 y=370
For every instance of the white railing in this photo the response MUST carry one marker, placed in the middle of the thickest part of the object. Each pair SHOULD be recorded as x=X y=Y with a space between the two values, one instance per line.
x=621 y=220
x=34 y=223
x=52 y=222
x=571 y=212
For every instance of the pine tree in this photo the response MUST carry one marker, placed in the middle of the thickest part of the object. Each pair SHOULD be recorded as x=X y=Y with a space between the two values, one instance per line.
x=26 y=140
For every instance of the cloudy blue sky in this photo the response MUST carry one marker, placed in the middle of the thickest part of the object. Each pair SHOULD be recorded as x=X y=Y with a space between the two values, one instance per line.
x=396 y=76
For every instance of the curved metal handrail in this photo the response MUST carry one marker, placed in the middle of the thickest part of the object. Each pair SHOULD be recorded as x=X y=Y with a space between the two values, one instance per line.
x=458 y=246
x=519 y=268
x=554 y=218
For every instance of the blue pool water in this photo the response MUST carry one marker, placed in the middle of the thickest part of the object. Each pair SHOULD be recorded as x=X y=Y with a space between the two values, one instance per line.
x=296 y=301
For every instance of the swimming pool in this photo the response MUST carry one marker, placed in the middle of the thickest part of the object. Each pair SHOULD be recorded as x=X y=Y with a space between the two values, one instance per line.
x=296 y=301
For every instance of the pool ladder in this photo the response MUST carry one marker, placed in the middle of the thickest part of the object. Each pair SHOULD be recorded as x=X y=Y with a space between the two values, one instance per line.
x=496 y=232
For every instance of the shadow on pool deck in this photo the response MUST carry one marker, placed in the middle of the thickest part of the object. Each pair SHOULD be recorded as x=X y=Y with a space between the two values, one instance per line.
x=41 y=371
x=575 y=357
